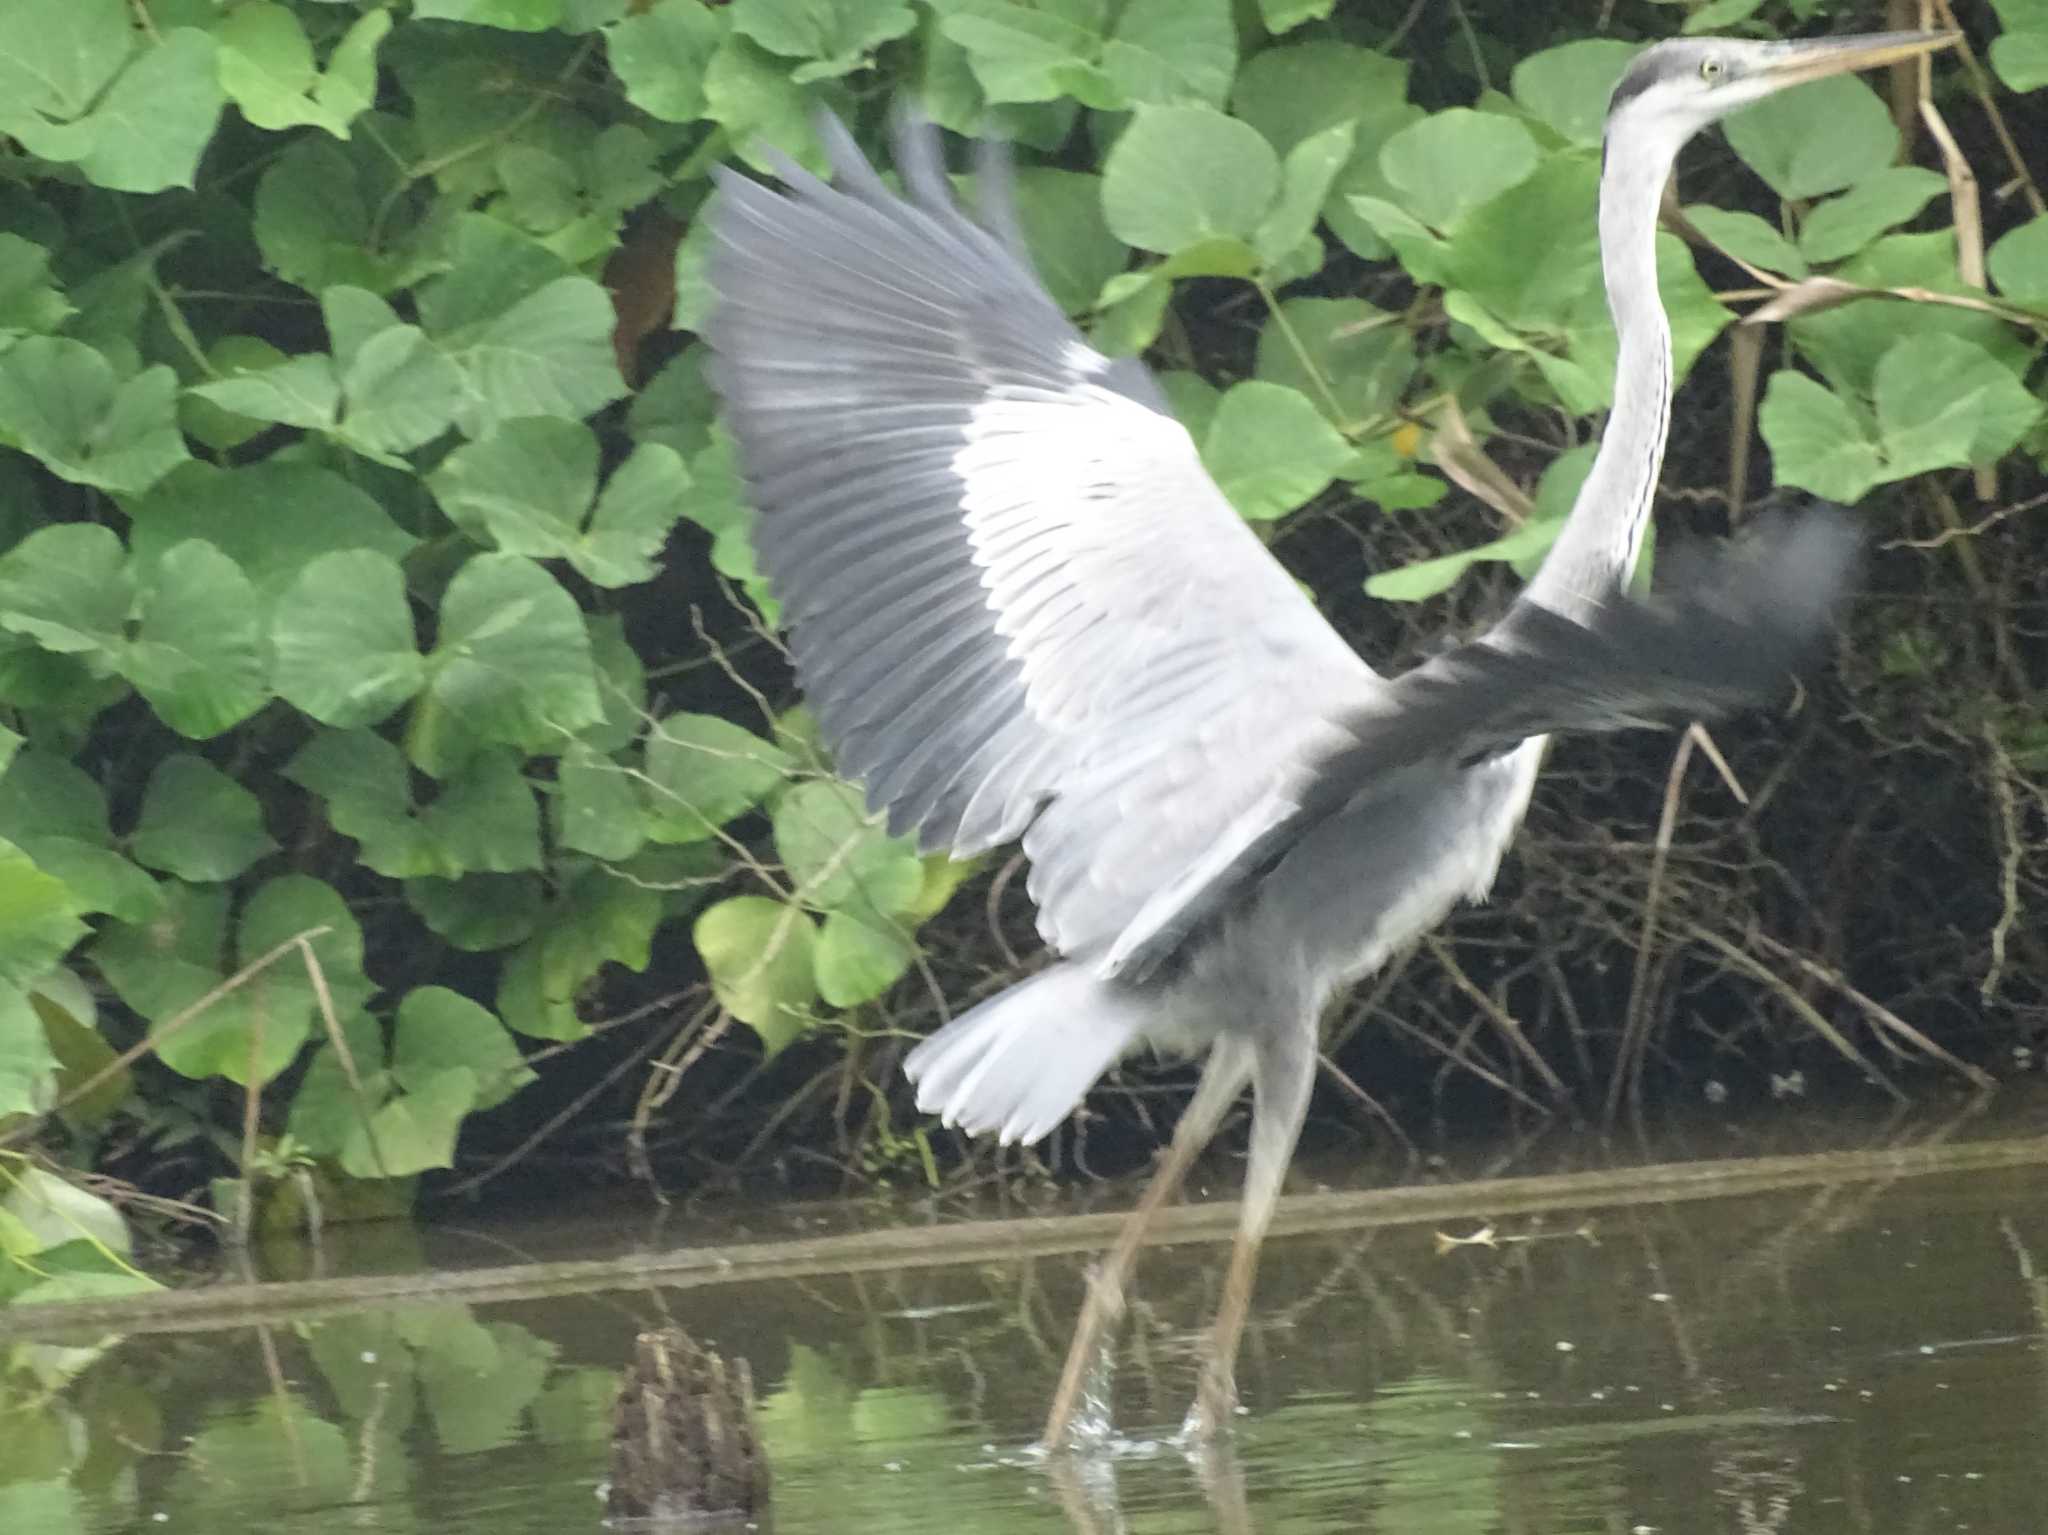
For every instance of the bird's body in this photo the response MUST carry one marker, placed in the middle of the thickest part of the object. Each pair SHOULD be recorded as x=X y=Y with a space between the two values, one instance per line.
x=1021 y=608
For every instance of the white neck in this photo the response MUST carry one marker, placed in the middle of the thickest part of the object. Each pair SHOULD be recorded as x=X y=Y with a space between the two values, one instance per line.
x=1595 y=553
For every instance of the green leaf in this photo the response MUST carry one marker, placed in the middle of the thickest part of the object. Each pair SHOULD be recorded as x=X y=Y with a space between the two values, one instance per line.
x=55 y=1210
x=60 y=401
x=1270 y=449
x=1130 y=312
x=1566 y=88
x=38 y=920
x=2021 y=59
x=511 y=666
x=30 y=303
x=272 y=519
x=1425 y=578
x=44 y=794
x=1532 y=254
x=1820 y=137
x=512 y=15
x=161 y=968
x=98 y=878
x=299 y=391
x=759 y=955
x=748 y=92
x=717 y=503
x=1748 y=238
x=1294 y=93
x=2019 y=263
x=485 y=819
x=1182 y=175
x=598 y=919
x=438 y=1029
x=343 y=638
x=599 y=810
x=197 y=823
x=415 y=1130
x=325 y=1107
x=1816 y=441
x=363 y=779
x=1451 y=162
x=1363 y=356
x=478 y=912
x=67 y=588
x=1285 y=15
x=839 y=856
x=1843 y=225
x=291 y=906
x=1844 y=343
x=621 y=684
x=1069 y=240
x=1363 y=181
x=61 y=55
x=198 y=653
x=146 y=132
x=702 y=771
x=661 y=53
x=28 y=1066
x=1019 y=54
x=96 y=1084
x=399 y=390
x=675 y=407
x=1305 y=179
x=858 y=959
x=1169 y=52
x=837 y=35
x=529 y=338
x=528 y=489
x=1943 y=402
x=1716 y=15
x=1192 y=399
x=267 y=68
x=314 y=222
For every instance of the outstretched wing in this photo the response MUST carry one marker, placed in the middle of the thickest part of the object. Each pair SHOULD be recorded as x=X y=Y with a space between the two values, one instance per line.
x=1016 y=601
x=1731 y=632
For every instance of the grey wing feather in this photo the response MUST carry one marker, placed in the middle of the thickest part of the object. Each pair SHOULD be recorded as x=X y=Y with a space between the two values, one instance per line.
x=1732 y=633
x=1016 y=601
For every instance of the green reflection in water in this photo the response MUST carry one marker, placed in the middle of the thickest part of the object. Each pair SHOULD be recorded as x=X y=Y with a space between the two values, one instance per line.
x=1842 y=1361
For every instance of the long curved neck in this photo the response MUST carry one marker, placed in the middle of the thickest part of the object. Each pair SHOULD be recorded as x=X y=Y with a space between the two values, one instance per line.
x=1595 y=553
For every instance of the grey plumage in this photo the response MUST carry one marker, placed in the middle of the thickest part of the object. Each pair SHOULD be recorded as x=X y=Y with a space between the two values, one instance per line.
x=1020 y=607
x=1098 y=655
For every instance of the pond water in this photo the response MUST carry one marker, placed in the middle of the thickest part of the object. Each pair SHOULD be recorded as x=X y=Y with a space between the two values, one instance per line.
x=1832 y=1343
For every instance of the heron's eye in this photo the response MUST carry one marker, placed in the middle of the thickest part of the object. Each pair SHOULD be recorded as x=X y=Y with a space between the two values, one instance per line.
x=1712 y=70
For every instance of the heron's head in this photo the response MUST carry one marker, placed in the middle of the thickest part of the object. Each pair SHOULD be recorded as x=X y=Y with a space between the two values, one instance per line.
x=1672 y=90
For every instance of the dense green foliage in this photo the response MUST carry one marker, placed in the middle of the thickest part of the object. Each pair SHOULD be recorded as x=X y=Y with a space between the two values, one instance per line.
x=372 y=564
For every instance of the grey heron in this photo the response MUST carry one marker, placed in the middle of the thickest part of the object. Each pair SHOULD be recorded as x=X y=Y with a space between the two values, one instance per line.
x=1021 y=608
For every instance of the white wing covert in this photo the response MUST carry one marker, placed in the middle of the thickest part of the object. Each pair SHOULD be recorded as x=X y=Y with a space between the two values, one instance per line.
x=1016 y=600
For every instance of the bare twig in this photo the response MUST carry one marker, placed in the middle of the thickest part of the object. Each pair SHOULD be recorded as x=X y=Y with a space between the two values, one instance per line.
x=1636 y=1024
x=1500 y=1017
x=2009 y=850
x=1880 y=1015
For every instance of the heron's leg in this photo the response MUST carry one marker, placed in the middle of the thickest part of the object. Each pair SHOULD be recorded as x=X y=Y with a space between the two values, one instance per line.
x=1283 y=1071
x=1223 y=1078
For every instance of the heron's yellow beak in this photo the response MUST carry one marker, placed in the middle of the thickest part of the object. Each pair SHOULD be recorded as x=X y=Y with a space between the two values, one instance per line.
x=1818 y=57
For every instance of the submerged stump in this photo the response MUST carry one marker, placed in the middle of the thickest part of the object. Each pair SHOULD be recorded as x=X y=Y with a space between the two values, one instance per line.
x=684 y=1443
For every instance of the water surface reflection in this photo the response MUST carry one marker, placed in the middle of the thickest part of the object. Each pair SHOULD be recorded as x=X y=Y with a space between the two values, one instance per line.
x=1861 y=1356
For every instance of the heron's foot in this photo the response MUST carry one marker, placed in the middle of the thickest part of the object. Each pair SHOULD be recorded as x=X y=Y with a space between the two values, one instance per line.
x=1215 y=1407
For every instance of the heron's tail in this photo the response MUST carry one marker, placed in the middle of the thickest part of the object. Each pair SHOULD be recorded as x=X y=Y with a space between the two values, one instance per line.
x=1021 y=1062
